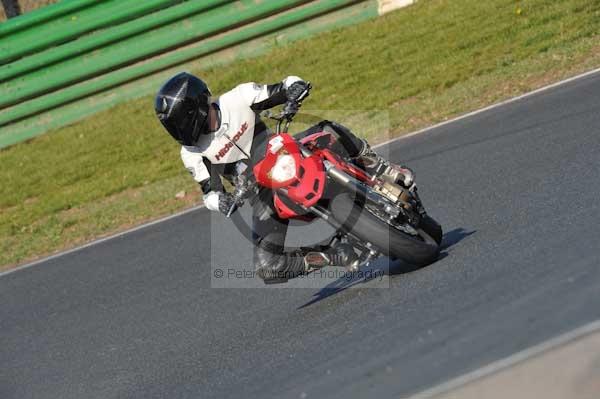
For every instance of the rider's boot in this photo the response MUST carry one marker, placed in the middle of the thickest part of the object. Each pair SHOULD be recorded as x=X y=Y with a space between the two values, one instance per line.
x=340 y=255
x=376 y=165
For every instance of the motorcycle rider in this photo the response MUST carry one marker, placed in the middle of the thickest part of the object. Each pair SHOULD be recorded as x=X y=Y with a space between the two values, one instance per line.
x=220 y=135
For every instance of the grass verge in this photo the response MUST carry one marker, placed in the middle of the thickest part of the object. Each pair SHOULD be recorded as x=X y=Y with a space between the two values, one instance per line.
x=423 y=64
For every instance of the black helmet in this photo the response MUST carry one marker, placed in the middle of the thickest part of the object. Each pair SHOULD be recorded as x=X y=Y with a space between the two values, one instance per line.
x=182 y=105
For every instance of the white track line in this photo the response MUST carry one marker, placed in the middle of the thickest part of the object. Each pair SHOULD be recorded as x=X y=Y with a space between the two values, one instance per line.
x=509 y=361
x=510 y=100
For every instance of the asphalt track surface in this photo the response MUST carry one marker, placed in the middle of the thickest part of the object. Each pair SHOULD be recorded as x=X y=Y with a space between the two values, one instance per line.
x=515 y=187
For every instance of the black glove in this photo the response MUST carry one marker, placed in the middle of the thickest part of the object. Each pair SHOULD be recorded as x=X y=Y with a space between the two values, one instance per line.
x=291 y=108
x=226 y=202
x=298 y=91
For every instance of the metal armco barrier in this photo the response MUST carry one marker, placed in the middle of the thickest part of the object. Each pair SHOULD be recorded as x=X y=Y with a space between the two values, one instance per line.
x=68 y=60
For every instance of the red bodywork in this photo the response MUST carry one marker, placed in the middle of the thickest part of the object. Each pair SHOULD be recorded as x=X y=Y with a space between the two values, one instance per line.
x=307 y=186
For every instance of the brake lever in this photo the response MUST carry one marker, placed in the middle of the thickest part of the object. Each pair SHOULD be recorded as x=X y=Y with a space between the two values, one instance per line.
x=242 y=192
x=305 y=93
x=238 y=201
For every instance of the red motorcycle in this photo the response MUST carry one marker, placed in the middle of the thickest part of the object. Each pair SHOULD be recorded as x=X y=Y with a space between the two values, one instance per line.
x=372 y=212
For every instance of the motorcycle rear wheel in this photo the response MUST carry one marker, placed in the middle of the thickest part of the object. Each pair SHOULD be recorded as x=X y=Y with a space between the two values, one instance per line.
x=418 y=251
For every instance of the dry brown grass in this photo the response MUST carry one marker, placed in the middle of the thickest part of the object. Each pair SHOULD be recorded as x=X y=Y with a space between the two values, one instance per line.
x=27 y=5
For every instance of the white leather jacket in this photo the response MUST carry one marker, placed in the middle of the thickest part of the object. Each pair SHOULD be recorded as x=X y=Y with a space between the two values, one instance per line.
x=232 y=141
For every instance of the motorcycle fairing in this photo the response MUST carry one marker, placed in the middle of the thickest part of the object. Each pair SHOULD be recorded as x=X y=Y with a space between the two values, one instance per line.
x=305 y=188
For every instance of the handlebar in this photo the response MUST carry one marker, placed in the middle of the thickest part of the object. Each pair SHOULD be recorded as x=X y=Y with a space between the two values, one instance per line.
x=280 y=118
x=287 y=116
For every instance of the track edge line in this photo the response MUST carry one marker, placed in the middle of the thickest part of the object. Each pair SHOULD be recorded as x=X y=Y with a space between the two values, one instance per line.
x=509 y=361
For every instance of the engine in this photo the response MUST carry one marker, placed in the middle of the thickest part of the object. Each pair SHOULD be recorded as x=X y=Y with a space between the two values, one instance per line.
x=390 y=185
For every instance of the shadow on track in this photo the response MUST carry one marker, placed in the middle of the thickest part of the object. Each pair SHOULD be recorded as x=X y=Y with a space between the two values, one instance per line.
x=386 y=266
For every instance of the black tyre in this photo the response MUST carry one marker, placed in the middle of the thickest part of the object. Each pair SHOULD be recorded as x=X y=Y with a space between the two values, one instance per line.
x=432 y=228
x=419 y=251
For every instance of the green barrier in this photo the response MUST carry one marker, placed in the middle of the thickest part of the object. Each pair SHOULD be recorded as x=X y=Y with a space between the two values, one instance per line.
x=146 y=68
x=71 y=26
x=74 y=111
x=105 y=37
x=138 y=48
x=36 y=17
x=141 y=47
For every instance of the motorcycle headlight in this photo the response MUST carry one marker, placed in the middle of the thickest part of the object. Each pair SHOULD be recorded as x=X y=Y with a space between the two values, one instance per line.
x=284 y=169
